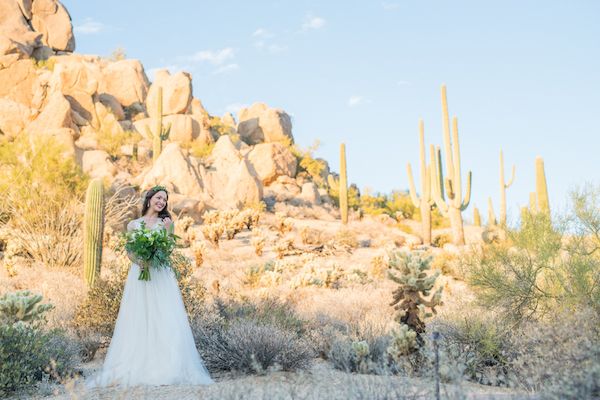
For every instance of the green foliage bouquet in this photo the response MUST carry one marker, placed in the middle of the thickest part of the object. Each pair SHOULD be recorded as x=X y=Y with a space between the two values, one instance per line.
x=150 y=247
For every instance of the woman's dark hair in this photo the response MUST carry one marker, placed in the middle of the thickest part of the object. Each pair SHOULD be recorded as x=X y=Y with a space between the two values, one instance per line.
x=164 y=213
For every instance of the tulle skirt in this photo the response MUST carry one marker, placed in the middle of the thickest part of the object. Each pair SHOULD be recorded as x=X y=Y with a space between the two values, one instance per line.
x=152 y=343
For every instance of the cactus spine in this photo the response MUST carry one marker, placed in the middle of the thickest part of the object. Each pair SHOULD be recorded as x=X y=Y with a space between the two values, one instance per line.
x=343 y=185
x=541 y=187
x=503 y=186
x=425 y=202
x=476 y=217
x=455 y=204
x=93 y=228
x=161 y=132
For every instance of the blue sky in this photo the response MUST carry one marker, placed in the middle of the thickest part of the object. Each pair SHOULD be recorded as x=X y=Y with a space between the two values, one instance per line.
x=523 y=76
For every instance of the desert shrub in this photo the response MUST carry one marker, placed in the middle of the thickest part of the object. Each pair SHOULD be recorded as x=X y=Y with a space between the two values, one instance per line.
x=374 y=204
x=441 y=239
x=28 y=351
x=539 y=269
x=98 y=312
x=317 y=169
x=363 y=356
x=346 y=238
x=41 y=200
x=201 y=150
x=479 y=345
x=112 y=138
x=400 y=205
x=251 y=337
x=549 y=358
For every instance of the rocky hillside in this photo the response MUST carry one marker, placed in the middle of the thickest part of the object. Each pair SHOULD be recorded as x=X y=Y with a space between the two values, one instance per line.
x=106 y=113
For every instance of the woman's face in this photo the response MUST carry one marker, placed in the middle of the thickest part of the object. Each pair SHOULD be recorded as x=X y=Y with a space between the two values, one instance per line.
x=158 y=201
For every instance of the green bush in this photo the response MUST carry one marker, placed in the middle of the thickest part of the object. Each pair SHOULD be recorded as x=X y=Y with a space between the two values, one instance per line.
x=27 y=350
x=40 y=202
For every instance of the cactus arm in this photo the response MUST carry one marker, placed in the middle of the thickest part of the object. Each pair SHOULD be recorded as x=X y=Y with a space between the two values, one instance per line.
x=512 y=178
x=412 y=188
x=93 y=231
x=456 y=178
x=467 y=198
x=447 y=143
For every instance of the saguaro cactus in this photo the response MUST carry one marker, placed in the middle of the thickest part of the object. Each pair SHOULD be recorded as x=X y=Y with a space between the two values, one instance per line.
x=93 y=229
x=491 y=214
x=426 y=201
x=541 y=187
x=343 y=185
x=161 y=132
x=503 y=186
x=455 y=204
x=476 y=217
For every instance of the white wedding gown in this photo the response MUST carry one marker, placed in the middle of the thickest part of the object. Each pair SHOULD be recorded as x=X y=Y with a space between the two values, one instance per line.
x=152 y=343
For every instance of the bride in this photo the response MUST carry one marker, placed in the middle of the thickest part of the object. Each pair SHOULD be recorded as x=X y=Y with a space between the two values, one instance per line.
x=152 y=343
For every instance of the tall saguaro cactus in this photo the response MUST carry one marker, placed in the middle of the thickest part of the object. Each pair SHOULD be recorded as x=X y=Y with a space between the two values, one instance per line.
x=343 y=185
x=452 y=204
x=161 y=132
x=93 y=229
x=476 y=217
x=425 y=202
x=541 y=187
x=503 y=186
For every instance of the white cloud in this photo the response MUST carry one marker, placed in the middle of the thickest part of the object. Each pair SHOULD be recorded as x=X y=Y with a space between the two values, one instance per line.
x=226 y=68
x=275 y=48
x=312 y=22
x=214 y=57
x=403 y=83
x=89 y=27
x=353 y=101
x=262 y=33
x=390 y=6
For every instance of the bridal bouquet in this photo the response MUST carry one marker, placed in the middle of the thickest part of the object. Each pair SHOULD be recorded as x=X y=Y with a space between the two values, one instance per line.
x=151 y=247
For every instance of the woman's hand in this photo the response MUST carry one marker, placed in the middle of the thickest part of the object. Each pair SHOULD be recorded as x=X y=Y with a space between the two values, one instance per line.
x=168 y=224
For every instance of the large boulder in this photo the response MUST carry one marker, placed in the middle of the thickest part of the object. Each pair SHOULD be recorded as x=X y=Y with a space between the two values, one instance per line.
x=271 y=160
x=16 y=36
x=225 y=154
x=52 y=20
x=56 y=114
x=126 y=81
x=243 y=188
x=176 y=93
x=19 y=82
x=310 y=193
x=97 y=164
x=175 y=170
x=77 y=80
x=14 y=117
x=260 y=123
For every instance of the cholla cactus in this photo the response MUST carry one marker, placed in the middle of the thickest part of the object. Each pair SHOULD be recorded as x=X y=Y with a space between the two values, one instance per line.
x=258 y=241
x=284 y=224
x=404 y=342
x=284 y=246
x=213 y=232
x=378 y=266
x=22 y=306
x=198 y=249
x=410 y=271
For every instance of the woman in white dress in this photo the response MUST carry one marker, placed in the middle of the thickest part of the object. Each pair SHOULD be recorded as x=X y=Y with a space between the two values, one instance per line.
x=152 y=343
